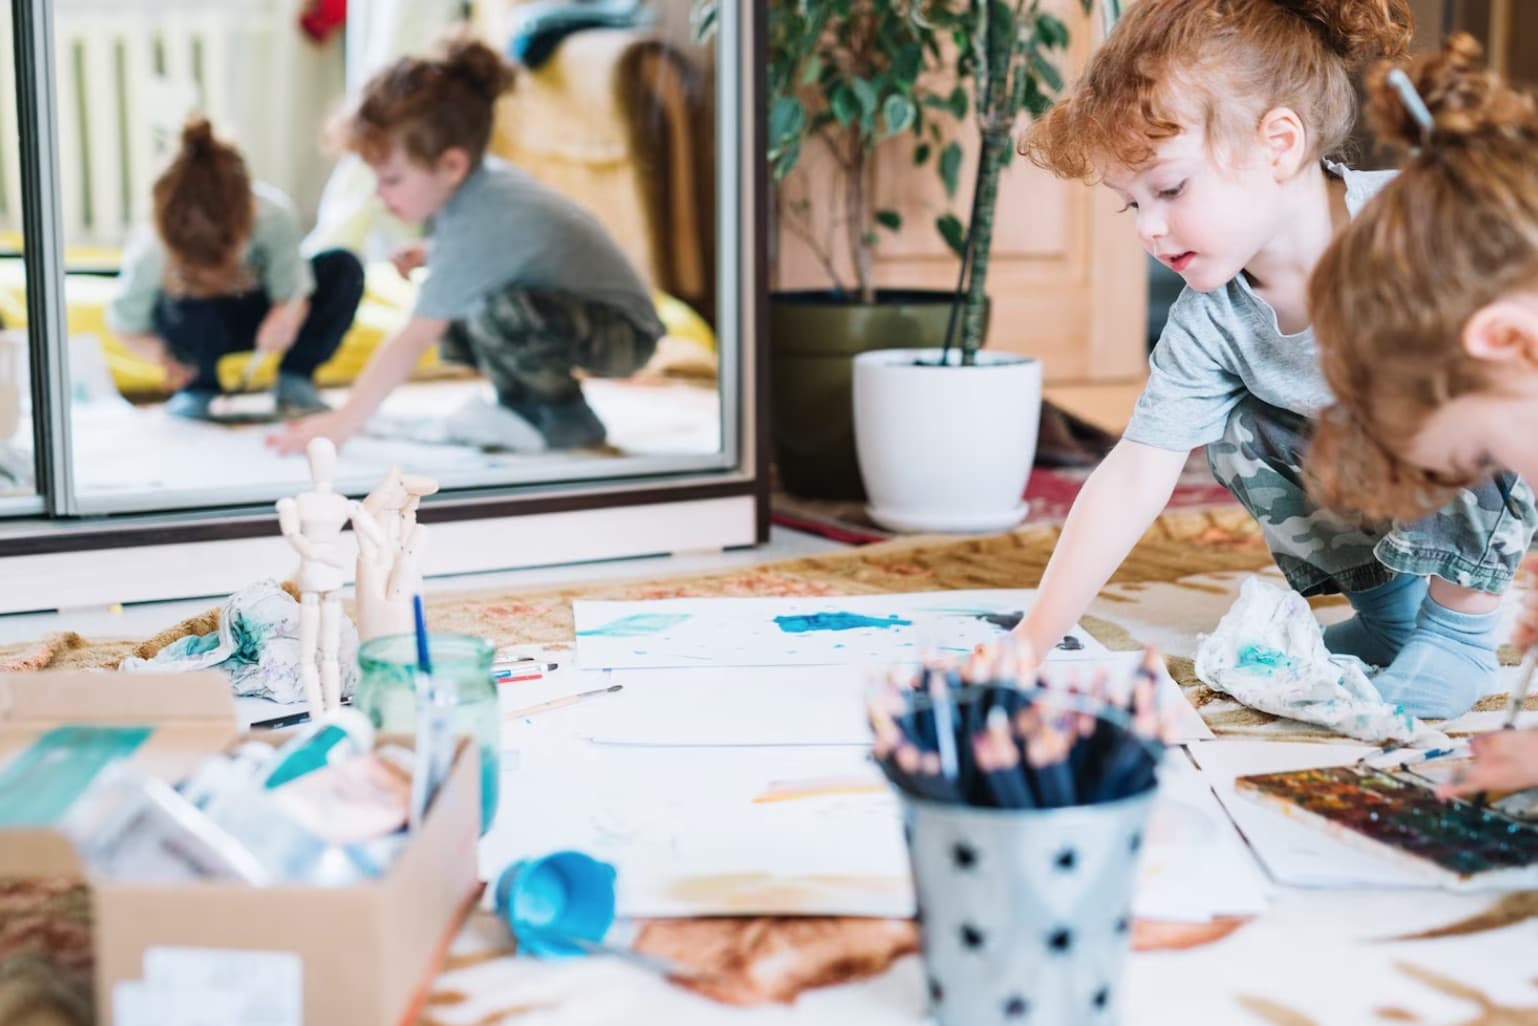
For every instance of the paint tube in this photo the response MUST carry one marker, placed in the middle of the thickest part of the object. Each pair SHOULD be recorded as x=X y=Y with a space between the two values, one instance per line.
x=339 y=735
x=350 y=802
x=131 y=826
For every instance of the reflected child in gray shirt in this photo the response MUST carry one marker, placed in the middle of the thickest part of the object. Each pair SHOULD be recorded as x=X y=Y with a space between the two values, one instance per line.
x=220 y=272
x=1212 y=121
x=521 y=282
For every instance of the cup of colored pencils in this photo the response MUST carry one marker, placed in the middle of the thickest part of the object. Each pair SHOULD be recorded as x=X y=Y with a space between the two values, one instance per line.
x=1024 y=806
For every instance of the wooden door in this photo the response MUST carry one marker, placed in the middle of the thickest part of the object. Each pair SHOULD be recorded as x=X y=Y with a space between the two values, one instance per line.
x=1068 y=279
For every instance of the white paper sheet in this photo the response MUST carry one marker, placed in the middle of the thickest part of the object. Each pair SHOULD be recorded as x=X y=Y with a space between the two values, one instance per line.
x=849 y=630
x=1195 y=865
x=1293 y=852
x=799 y=705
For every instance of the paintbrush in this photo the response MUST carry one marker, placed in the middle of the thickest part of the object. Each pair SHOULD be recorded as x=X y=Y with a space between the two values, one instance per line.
x=563 y=702
x=435 y=725
x=1524 y=684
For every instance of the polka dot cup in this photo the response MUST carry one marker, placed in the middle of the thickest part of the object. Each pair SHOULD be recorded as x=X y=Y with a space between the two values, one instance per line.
x=1026 y=914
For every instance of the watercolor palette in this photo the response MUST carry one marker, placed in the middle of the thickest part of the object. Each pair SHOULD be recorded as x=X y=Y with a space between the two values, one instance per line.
x=1455 y=843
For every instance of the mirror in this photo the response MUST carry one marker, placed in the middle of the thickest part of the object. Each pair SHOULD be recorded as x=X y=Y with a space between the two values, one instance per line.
x=18 y=490
x=581 y=340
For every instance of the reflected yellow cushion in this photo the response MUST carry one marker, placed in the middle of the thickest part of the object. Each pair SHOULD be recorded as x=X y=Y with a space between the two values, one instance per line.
x=386 y=305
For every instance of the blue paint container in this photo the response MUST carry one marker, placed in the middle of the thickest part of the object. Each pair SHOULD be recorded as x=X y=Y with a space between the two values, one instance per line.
x=549 y=900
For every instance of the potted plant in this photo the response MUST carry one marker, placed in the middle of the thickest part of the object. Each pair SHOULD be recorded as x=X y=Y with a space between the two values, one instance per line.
x=947 y=434
x=847 y=77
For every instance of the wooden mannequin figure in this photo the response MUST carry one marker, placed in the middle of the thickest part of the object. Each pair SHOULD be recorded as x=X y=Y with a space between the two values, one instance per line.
x=313 y=522
x=389 y=546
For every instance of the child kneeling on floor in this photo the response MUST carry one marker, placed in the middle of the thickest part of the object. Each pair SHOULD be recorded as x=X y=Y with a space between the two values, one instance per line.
x=1426 y=313
x=221 y=272
x=521 y=281
x=1215 y=122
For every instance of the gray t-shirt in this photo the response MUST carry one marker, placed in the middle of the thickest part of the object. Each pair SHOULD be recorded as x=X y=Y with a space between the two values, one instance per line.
x=272 y=256
x=502 y=226
x=1219 y=346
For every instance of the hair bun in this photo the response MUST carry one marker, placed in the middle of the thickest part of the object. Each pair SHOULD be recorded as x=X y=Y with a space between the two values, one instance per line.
x=475 y=62
x=1361 y=31
x=197 y=135
x=1466 y=100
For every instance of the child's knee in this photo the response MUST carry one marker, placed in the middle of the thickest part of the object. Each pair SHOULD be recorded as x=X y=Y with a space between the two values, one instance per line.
x=339 y=272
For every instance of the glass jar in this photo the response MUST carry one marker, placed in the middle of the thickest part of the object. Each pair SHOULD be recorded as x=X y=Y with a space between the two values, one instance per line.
x=387 y=695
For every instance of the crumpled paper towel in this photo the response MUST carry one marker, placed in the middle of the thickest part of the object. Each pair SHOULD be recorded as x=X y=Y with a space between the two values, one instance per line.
x=1268 y=653
x=257 y=644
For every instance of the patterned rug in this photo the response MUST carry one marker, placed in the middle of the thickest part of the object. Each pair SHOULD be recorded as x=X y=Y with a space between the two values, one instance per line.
x=1050 y=493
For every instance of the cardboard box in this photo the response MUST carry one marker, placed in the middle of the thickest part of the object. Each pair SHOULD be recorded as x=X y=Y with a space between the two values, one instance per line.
x=365 y=954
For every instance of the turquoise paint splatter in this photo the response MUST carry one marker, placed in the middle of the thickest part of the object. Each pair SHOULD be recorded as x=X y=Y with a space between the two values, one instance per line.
x=636 y=625
x=803 y=623
x=1267 y=660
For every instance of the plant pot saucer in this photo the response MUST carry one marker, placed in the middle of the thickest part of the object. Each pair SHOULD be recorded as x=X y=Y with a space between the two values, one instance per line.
x=966 y=523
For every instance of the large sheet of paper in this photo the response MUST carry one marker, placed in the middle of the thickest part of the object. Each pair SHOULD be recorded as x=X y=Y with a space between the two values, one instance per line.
x=849 y=630
x=804 y=831
x=798 y=705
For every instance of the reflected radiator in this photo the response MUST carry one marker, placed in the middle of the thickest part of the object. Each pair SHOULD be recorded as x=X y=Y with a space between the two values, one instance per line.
x=128 y=73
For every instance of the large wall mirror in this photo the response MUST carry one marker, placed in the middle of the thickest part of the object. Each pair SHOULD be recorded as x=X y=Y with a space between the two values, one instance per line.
x=620 y=114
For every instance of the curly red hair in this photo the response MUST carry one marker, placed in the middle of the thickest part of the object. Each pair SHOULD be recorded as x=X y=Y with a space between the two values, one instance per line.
x=1173 y=65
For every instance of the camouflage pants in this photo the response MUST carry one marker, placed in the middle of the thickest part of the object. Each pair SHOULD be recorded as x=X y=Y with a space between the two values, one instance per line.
x=1476 y=541
x=527 y=342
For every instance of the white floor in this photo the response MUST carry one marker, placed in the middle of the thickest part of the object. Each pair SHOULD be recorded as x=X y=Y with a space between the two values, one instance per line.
x=122 y=449
x=145 y=619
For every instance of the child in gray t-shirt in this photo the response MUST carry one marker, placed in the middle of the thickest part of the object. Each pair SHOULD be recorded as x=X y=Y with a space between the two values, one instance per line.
x=1211 y=121
x=521 y=282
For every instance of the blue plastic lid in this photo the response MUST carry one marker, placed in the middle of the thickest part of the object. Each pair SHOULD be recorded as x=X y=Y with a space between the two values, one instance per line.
x=548 y=900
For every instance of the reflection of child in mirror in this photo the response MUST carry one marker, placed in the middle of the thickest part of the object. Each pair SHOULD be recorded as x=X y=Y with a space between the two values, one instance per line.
x=1426 y=315
x=521 y=282
x=221 y=273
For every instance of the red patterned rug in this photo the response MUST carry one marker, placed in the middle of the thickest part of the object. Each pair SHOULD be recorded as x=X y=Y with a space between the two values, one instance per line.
x=1050 y=492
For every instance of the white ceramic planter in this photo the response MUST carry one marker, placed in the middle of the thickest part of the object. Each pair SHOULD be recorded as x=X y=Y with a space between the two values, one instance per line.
x=946 y=448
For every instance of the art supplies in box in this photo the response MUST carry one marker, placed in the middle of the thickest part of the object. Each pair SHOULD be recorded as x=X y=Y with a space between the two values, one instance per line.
x=201 y=851
x=1455 y=843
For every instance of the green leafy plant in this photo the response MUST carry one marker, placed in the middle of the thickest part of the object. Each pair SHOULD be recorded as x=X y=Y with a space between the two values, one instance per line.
x=852 y=75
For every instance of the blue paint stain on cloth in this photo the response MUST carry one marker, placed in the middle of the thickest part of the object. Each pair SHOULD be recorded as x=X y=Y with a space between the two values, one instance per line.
x=257 y=644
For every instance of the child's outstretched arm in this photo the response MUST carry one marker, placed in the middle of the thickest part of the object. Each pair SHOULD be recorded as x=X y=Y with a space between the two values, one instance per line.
x=1506 y=760
x=390 y=365
x=1117 y=504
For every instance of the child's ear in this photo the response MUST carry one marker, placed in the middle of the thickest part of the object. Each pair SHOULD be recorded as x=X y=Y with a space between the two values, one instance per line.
x=1284 y=140
x=455 y=162
x=1505 y=330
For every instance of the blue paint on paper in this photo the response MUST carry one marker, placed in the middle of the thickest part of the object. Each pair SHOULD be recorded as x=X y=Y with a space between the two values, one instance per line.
x=1007 y=620
x=636 y=625
x=806 y=622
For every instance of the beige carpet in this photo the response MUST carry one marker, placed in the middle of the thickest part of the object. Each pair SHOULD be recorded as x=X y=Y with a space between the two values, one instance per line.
x=1183 y=569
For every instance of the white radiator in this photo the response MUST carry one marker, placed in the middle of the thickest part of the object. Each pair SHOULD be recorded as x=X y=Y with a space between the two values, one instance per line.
x=128 y=73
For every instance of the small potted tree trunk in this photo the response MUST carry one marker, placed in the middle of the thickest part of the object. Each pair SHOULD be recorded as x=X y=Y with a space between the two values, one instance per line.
x=947 y=436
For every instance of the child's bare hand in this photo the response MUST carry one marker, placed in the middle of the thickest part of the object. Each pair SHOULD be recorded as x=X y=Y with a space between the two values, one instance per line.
x=1506 y=760
x=409 y=257
x=178 y=374
x=277 y=331
x=294 y=435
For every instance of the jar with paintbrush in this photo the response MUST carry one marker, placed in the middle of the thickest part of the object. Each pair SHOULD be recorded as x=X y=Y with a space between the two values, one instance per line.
x=1024 y=806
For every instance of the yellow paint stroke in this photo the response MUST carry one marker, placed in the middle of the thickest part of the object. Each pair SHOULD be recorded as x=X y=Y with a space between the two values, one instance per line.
x=817 y=787
x=765 y=893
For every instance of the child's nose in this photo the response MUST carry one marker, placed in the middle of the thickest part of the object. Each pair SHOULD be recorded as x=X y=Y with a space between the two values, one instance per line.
x=1150 y=228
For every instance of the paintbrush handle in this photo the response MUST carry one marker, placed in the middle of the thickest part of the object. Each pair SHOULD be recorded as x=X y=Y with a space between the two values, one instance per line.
x=563 y=702
x=1524 y=684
